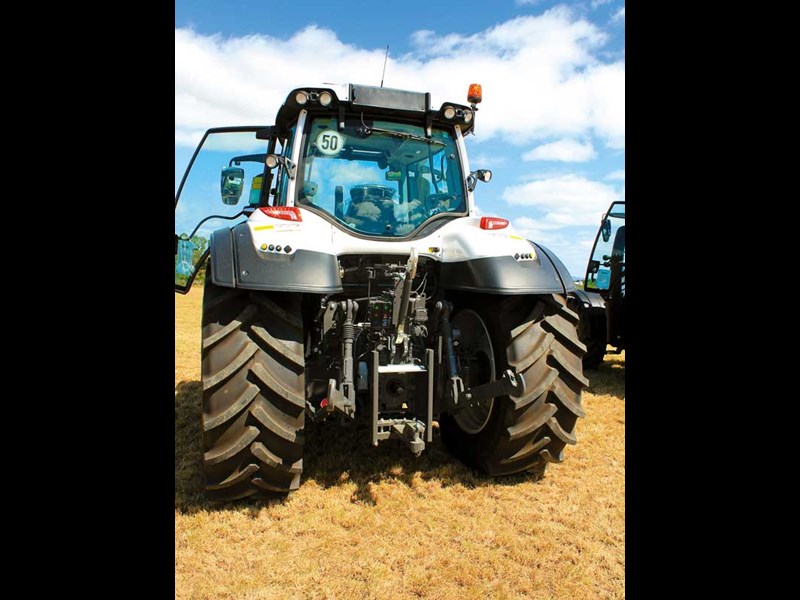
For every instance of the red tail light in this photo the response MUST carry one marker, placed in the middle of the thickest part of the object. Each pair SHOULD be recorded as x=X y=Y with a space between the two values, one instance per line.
x=287 y=213
x=490 y=222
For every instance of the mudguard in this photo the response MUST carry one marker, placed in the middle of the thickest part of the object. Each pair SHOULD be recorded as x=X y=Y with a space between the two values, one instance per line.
x=590 y=300
x=472 y=259
x=235 y=263
x=563 y=272
x=503 y=275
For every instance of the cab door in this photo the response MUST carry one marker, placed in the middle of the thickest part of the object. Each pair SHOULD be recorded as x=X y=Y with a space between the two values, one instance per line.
x=606 y=269
x=223 y=184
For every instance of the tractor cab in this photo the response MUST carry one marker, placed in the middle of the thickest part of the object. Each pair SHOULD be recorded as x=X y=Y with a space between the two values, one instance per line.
x=376 y=163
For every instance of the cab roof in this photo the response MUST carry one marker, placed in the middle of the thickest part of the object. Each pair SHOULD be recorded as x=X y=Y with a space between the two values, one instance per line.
x=378 y=101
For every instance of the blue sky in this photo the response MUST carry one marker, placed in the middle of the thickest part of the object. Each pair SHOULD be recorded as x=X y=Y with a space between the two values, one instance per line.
x=551 y=126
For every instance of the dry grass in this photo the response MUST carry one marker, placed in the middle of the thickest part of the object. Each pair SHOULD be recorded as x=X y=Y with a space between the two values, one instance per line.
x=377 y=523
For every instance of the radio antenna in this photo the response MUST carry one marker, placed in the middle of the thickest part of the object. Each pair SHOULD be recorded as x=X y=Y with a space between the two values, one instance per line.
x=384 y=64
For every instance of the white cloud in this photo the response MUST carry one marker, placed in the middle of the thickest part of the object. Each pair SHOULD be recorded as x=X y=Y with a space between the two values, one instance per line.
x=345 y=173
x=531 y=224
x=486 y=161
x=564 y=200
x=564 y=150
x=542 y=76
x=619 y=15
x=596 y=3
x=189 y=138
x=542 y=173
x=524 y=2
x=616 y=175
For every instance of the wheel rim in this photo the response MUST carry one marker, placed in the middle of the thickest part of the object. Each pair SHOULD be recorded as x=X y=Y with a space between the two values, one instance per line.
x=475 y=351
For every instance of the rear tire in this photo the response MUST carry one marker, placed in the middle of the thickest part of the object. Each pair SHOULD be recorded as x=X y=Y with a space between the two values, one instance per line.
x=537 y=338
x=253 y=372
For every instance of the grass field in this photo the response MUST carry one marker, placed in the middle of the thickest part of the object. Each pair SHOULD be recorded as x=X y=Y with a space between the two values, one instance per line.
x=378 y=523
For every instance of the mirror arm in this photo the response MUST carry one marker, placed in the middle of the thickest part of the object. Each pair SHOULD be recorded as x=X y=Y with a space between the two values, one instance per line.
x=239 y=214
x=287 y=163
x=268 y=176
x=291 y=167
x=257 y=158
x=472 y=181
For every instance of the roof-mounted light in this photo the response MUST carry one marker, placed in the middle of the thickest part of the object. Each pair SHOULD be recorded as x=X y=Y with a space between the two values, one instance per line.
x=301 y=97
x=467 y=116
x=475 y=93
x=449 y=112
x=325 y=98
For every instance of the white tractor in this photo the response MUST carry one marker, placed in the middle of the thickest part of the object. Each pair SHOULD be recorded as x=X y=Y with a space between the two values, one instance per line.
x=359 y=282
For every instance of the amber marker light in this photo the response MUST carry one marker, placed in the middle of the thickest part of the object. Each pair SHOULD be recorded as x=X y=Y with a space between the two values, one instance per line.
x=475 y=93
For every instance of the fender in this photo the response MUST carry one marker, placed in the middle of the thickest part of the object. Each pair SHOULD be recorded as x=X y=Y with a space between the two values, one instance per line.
x=590 y=300
x=563 y=272
x=235 y=263
x=503 y=275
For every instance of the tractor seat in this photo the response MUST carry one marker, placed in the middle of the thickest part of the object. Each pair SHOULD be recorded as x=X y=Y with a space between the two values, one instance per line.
x=371 y=208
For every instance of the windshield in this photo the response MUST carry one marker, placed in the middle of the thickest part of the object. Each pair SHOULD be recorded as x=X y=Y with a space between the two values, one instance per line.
x=378 y=177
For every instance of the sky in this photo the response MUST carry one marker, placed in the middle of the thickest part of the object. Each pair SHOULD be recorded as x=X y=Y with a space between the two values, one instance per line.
x=551 y=126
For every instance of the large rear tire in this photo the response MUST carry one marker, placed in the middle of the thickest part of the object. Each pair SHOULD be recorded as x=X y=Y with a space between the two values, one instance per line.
x=537 y=338
x=253 y=371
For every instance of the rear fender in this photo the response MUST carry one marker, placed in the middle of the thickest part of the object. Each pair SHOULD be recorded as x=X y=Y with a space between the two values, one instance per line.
x=498 y=262
x=590 y=300
x=235 y=262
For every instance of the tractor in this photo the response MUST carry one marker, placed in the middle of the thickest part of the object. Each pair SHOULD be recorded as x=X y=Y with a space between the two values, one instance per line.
x=356 y=282
x=601 y=303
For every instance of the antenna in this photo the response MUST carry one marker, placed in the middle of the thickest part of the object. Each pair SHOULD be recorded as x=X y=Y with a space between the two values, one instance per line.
x=384 y=64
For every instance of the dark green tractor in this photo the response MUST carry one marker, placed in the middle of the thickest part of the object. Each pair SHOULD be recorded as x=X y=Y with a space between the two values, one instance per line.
x=601 y=303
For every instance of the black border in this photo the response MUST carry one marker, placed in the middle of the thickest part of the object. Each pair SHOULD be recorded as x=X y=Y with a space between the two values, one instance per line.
x=105 y=373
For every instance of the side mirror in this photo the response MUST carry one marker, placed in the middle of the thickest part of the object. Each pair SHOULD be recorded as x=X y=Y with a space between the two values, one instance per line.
x=231 y=183
x=393 y=175
x=594 y=266
x=605 y=229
